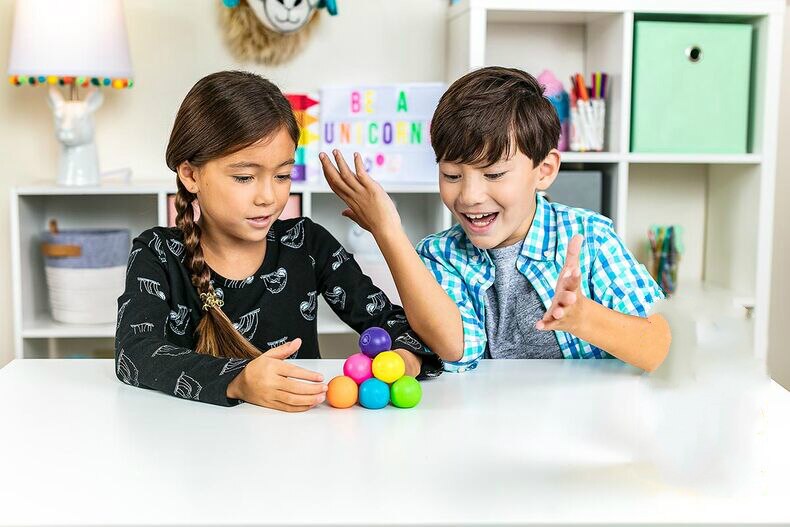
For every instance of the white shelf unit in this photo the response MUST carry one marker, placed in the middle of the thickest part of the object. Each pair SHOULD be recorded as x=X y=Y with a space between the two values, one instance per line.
x=724 y=202
x=138 y=206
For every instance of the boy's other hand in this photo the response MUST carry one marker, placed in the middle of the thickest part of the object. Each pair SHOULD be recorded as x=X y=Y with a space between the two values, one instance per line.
x=368 y=204
x=412 y=361
x=568 y=302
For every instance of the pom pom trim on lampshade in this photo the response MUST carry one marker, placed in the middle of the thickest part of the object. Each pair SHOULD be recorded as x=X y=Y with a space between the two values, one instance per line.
x=84 y=82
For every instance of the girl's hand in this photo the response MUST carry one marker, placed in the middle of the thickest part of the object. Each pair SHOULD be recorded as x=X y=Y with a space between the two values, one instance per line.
x=568 y=303
x=269 y=381
x=413 y=362
x=368 y=205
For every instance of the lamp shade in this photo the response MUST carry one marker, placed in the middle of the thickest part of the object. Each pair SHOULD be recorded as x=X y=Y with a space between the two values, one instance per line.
x=75 y=41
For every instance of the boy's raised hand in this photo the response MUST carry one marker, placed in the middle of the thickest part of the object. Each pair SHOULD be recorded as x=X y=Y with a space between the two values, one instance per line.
x=368 y=204
x=271 y=382
x=568 y=301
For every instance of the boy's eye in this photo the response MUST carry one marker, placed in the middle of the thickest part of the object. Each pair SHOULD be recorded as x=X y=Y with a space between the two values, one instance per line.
x=451 y=177
x=283 y=177
x=496 y=175
x=242 y=179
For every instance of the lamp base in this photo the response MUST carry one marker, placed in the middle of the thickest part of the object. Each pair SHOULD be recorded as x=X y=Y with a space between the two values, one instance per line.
x=79 y=165
x=79 y=162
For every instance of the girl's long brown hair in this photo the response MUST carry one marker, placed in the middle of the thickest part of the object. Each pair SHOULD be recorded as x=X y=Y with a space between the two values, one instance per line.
x=222 y=114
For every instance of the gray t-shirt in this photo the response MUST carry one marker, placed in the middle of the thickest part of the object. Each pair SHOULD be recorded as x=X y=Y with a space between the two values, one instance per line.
x=512 y=309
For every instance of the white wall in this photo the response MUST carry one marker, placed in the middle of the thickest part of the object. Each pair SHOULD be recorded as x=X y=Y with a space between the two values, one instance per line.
x=173 y=44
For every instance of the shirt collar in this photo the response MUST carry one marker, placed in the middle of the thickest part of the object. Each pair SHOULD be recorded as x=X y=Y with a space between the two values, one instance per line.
x=541 y=240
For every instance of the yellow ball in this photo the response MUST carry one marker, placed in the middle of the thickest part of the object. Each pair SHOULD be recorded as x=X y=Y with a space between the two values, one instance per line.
x=52 y=79
x=117 y=84
x=388 y=367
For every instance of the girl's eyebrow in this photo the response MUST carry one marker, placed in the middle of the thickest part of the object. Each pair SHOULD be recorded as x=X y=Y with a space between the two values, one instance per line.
x=244 y=164
x=251 y=164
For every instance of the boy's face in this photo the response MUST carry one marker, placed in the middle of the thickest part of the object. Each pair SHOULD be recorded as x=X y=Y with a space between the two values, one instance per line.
x=495 y=205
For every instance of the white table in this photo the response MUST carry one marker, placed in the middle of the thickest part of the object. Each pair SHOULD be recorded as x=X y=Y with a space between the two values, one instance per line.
x=512 y=442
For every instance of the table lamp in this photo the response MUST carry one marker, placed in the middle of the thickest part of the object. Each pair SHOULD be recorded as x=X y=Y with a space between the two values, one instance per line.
x=77 y=44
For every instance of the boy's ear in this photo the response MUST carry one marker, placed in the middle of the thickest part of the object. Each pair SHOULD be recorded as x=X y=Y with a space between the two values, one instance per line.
x=188 y=175
x=548 y=169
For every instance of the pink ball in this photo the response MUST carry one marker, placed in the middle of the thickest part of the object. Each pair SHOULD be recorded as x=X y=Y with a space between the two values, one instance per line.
x=358 y=367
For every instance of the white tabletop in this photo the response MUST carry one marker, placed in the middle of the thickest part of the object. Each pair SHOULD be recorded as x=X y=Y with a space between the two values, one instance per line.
x=511 y=442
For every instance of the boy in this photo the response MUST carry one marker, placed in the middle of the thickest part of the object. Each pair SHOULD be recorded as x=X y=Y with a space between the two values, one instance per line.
x=518 y=277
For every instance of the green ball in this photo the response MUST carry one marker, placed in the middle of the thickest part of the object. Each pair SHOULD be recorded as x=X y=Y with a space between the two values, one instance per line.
x=405 y=392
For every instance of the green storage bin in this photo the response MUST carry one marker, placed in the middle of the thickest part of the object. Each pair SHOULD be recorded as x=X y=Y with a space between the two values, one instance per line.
x=691 y=87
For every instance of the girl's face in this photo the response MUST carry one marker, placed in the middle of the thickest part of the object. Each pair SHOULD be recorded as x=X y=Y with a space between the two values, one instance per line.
x=241 y=194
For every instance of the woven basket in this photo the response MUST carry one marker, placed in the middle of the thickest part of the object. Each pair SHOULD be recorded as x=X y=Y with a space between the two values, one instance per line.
x=86 y=272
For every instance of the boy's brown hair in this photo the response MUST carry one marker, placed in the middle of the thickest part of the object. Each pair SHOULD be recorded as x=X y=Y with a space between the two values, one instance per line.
x=488 y=113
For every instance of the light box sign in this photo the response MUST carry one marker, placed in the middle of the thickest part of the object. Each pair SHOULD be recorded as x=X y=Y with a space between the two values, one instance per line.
x=388 y=125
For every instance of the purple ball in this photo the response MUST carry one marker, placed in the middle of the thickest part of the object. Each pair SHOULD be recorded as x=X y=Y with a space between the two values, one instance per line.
x=373 y=341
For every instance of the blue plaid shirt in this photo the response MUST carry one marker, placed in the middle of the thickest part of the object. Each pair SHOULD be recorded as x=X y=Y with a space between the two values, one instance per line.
x=613 y=277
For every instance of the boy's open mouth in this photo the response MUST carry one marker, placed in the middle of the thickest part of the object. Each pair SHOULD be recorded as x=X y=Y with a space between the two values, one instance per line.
x=480 y=220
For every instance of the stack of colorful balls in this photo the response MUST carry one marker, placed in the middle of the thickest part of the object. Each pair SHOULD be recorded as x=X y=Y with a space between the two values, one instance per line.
x=375 y=376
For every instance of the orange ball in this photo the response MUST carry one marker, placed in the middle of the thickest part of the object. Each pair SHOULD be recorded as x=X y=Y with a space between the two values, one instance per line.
x=342 y=392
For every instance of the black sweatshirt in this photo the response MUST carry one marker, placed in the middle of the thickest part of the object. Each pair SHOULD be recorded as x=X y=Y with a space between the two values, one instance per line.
x=160 y=309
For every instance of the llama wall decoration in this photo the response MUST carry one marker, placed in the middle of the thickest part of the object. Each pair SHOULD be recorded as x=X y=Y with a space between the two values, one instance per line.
x=270 y=32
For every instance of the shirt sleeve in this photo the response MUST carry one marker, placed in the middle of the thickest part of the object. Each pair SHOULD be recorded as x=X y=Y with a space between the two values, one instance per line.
x=358 y=302
x=432 y=251
x=618 y=280
x=144 y=357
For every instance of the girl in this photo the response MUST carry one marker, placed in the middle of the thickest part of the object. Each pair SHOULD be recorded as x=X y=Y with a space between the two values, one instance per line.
x=202 y=299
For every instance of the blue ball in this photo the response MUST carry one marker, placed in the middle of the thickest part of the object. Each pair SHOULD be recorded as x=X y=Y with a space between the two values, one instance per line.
x=374 y=394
